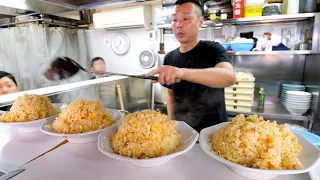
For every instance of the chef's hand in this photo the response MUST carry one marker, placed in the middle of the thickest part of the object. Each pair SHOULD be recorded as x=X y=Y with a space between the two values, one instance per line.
x=167 y=74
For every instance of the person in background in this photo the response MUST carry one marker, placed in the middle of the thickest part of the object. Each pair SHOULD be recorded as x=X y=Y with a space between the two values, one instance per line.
x=203 y=67
x=98 y=64
x=8 y=85
x=104 y=92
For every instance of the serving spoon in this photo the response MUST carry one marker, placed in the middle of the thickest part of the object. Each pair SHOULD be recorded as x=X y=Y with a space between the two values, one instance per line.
x=65 y=67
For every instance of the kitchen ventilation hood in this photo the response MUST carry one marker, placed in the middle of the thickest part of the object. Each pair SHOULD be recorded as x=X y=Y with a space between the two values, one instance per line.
x=61 y=6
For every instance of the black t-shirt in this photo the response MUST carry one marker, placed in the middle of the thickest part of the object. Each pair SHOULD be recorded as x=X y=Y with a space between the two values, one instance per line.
x=198 y=105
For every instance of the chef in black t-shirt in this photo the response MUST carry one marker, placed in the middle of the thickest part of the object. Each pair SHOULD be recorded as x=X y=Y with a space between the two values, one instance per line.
x=203 y=67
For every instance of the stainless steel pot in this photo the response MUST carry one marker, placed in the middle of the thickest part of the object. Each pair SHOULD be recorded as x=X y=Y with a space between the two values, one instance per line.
x=308 y=6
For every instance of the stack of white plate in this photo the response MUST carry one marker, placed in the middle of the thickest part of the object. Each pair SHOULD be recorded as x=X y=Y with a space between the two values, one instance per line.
x=298 y=102
x=312 y=88
x=315 y=98
x=289 y=87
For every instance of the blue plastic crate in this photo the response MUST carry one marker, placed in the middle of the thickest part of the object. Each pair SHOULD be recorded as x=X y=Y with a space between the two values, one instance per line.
x=313 y=138
x=242 y=47
x=225 y=45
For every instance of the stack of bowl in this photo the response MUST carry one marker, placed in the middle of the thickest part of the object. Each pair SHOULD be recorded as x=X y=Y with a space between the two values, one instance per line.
x=315 y=98
x=312 y=88
x=298 y=102
x=289 y=87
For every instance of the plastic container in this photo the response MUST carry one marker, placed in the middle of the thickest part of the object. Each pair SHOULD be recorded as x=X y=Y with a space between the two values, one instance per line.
x=241 y=109
x=235 y=102
x=225 y=45
x=239 y=96
x=239 y=90
x=253 y=8
x=242 y=47
x=253 y=11
x=313 y=138
x=245 y=84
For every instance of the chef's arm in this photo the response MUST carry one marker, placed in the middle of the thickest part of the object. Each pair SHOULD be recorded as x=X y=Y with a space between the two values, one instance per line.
x=220 y=76
x=170 y=105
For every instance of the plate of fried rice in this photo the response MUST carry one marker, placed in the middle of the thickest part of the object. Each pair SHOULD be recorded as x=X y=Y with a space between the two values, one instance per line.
x=147 y=139
x=81 y=121
x=258 y=149
x=28 y=113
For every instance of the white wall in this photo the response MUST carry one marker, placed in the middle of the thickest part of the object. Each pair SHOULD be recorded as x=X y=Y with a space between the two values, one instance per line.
x=171 y=43
x=98 y=42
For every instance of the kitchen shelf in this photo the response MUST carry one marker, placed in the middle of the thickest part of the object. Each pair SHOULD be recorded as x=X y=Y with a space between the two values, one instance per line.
x=254 y=20
x=263 y=19
x=169 y=26
x=252 y=53
x=274 y=111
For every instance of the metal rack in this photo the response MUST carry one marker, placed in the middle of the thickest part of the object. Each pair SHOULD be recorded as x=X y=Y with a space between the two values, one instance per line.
x=254 y=53
x=287 y=18
x=51 y=20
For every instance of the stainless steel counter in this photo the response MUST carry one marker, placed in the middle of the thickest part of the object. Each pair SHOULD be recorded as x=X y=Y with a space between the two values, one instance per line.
x=274 y=111
x=254 y=53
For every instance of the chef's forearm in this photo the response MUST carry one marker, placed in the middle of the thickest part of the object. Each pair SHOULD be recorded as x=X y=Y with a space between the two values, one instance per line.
x=170 y=105
x=216 y=77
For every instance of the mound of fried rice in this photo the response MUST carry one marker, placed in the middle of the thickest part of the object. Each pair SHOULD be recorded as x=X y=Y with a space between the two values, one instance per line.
x=256 y=143
x=145 y=134
x=29 y=108
x=82 y=116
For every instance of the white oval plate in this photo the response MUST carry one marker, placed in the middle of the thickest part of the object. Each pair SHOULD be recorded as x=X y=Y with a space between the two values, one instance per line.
x=189 y=137
x=30 y=126
x=86 y=137
x=309 y=157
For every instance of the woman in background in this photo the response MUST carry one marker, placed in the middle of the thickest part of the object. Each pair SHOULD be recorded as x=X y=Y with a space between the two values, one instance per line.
x=8 y=85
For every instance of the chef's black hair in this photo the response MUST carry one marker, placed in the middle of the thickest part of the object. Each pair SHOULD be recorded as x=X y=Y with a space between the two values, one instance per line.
x=8 y=75
x=195 y=2
x=96 y=59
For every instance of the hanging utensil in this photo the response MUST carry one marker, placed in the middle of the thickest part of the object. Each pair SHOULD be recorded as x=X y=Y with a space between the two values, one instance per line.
x=64 y=67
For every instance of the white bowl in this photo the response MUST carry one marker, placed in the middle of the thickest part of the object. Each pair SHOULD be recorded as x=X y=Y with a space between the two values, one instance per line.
x=30 y=126
x=86 y=137
x=315 y=94
x=297 y=111
x=299 y=93
x=189 y=137
x=309 y=157
x=298 y=97
x=298 y=100
x=299 y=108
x=298 y=103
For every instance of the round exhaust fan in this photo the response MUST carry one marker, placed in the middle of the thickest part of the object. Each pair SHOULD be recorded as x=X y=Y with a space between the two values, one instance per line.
x=147 y=59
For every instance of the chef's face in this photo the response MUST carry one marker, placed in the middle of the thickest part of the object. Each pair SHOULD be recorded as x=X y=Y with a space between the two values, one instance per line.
x=7 y=86
x=99 y=65
x=186 y=22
